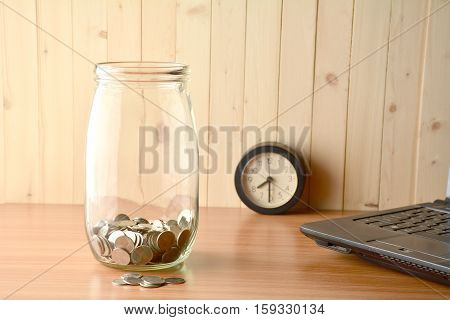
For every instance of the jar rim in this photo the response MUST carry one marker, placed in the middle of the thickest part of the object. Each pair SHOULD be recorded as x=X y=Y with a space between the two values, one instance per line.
x=141 y=71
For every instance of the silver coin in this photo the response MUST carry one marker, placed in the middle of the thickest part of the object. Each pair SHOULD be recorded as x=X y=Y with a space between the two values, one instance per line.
x=103 y=231
x=184 y=218
x=99 y=225
x=153 y=280
x=124 y=223
x=106 y=246
x=97 y=245
x=114 y=235
x=120 y=256
x=119 y=282
x=140 y=220
x=157 y=225
x=132 y=281
x=123 y=242
x=131 y=275
x=175 y=280
x=149 y=285
x=131 y=235
x=121 y=217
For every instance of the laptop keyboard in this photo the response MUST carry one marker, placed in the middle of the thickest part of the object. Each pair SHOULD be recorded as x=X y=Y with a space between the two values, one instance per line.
x=426 y=221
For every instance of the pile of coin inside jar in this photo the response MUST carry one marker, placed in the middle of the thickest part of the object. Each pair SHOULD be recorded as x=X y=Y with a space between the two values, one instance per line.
x=137 y=279
x=138 y=241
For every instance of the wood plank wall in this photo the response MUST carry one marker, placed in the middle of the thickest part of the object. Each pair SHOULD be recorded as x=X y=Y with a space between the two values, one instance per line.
x=364 y=83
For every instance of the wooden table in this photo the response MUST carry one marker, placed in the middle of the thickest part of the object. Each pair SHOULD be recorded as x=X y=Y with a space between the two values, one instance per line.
x=238 y=255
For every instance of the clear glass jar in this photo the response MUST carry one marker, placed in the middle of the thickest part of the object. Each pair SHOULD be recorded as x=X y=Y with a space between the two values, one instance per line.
x=141 y=166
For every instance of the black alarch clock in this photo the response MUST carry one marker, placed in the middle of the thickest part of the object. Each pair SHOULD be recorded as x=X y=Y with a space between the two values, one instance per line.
x=270 y=178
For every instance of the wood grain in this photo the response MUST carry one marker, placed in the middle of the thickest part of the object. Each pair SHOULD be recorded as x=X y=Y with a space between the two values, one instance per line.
x=334 y=34
x=194 y=27
x=158 y=30
x=22 y=131
x=366 y=103
x=90 y=43
x=298 y=42
x=238 y=255
x=56 y=100
x=226 y=99
x=262 y=58
x=402 y=102
x=434 y=154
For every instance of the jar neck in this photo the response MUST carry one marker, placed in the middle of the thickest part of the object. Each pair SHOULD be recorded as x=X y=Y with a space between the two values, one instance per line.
x=142 y=73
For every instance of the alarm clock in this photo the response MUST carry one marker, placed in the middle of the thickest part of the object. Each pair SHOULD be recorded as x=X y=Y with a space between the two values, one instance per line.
x=270 y=178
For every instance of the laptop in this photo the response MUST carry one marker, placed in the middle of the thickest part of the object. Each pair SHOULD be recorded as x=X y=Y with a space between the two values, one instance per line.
x=413 y=239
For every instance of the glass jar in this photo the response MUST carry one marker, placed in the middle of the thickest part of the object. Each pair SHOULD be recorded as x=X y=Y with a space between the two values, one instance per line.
x=141 y=166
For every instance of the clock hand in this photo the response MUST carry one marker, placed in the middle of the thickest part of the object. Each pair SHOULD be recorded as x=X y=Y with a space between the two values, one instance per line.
x=269 y=186
x=262 y=184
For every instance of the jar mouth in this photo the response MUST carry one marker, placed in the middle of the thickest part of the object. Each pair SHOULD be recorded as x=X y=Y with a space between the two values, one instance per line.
x=147 y=71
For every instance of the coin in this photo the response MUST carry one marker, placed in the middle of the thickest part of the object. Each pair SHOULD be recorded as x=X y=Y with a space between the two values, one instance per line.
x=184 y=218
x=154 y=280
x=175 y=280
x=124 y=223
x=103 y=231
x=131 y=275
x=106 y=246
x=183 y=238
x=140 y=220
x=132 y=281
x=171 y=255
x=131 y=235
x=119 y=282
x=148 y=285
x=123 y=242
x=121 y=217
x=99 y=225
x=120 y=257
x=164 y=241
x=141 y=255
x=97 y=245
x=172 y=223
x=157 y=225
x=114 y=235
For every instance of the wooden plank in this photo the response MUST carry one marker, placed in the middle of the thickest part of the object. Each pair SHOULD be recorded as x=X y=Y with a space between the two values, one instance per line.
x=226 y=98
x=193 y=48
x=158 y=30
x=2 y=122
x=21 y=116
x=56 y=99
x=124 y=44
x=90 y=43
x=334 y=34
x=262 y=58
x=434 y=154
x=402 y=102
x=124 y=30
x=366 y=103
x=297 y=78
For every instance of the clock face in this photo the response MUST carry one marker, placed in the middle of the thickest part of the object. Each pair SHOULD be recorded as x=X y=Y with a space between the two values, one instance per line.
x=269 y=180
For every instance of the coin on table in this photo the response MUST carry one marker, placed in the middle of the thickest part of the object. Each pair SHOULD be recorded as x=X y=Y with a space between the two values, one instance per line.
x=121 y=217
x=131 y=275
x=153 y=280
x=120 y=256
x=141 y=255
x=175 y=280
x=148 y=285
x=132 y=281
x=119 y=282
x=123 y=242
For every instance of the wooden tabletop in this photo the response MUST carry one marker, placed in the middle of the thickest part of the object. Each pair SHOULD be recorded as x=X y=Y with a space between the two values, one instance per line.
x=238 y=255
